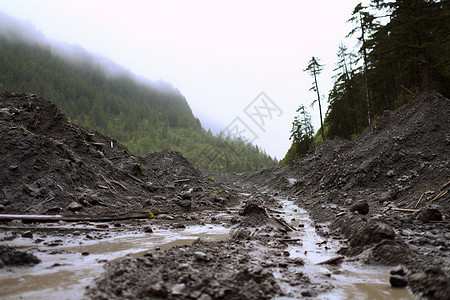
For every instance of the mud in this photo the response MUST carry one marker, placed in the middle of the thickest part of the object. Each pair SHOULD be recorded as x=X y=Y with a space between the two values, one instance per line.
x=380 y=200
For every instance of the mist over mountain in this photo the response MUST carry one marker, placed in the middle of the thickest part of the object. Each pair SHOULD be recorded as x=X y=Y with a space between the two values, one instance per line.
x=144 y=115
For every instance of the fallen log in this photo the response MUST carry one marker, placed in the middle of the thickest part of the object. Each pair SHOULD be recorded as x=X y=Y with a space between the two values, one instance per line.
x=332 y=261
x=286 y=225
x=56 y=218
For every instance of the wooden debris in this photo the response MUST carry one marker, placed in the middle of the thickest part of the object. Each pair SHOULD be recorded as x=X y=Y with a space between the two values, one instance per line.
x=291 y=240
x=109 y=185
x=332 y=261
x=56 y=218
x=281 y=222
x=405 y=209
x=253 y=233
x=440 y=195
x=419 y=199
x=181 y=180
x=119 y=184
x=135 y=178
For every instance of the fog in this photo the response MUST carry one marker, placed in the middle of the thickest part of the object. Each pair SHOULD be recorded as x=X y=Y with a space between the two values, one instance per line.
x=219 y=54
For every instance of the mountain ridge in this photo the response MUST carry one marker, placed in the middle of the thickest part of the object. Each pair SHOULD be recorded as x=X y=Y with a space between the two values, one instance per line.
x=143 y=115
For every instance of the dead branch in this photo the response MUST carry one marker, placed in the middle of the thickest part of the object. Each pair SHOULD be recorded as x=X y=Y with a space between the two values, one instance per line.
x=135 y=178
x=253 y=233
x=440 y=195
x=419 y=199
x=56 y=218
x=181 y=180
x=119 y=184
x=405 y=209
x=289 y=227
x=291 y=240
x=332 y=261
x=109 y=184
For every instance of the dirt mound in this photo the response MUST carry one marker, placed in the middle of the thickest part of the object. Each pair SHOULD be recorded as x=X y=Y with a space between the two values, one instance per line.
x=396 y=174
x=200 y=271
x=10 y=257
x=51 y=165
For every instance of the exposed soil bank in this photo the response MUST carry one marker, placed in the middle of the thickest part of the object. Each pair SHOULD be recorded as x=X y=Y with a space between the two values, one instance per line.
x=352 y=190
x=386 y=192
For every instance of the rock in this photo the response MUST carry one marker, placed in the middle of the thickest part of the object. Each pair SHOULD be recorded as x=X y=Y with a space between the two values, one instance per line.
x=74 y=206
x=184 y=203
x=201 y=256
x=390 y=252
x=205 y=297
x=252 y=208
x=307 y=294
x=386 y=197
x=361 y=206
x=2 y=207
x=158 y=289
x=55 y=209
x=27 y=234
x=148 y=229
x=390 y=173
x=10 y=257
x=372 y=232
x=398 y=271
x=430 y=213
x=178 y=289
x=186 y=194
x=398 y=281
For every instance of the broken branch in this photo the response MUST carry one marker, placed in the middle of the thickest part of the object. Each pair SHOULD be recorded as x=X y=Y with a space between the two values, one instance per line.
x=419 y=200
x=441 y=194
x=405 y=209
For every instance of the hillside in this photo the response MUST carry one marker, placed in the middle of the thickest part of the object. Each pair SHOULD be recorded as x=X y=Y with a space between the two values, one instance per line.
x=144 y=116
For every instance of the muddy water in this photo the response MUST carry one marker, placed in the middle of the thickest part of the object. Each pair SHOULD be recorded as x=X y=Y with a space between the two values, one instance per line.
x=65 y=271
x=352 y=280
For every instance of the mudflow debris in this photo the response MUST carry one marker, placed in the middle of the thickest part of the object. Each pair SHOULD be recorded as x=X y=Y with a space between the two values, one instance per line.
x=383 y=196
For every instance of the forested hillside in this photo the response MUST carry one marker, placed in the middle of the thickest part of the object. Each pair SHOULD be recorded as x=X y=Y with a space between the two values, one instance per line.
x=404 y=50
x=144 y=116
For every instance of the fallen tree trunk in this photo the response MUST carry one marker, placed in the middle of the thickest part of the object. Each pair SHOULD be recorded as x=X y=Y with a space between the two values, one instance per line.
x=56 y=218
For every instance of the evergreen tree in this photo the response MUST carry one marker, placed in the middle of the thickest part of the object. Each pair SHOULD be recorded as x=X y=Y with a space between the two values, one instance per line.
x=314 y=69
x=302 y=135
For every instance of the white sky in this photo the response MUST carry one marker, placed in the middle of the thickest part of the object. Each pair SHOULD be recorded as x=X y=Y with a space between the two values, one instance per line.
x=219 y=54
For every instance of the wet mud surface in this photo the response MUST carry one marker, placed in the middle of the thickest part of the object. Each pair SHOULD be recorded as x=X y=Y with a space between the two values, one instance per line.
x=353 y=219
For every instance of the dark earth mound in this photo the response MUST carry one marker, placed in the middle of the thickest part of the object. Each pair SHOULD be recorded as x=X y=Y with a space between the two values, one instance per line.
x=10 y=257
x=51 y=165
x=386 y=191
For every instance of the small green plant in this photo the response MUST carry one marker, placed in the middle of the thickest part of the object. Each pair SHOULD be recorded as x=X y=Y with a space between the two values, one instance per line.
x=212 y=179
x=215 y=193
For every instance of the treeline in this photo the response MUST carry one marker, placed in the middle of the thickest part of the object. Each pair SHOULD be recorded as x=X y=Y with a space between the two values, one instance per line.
x=146 y=117
x=404 y=51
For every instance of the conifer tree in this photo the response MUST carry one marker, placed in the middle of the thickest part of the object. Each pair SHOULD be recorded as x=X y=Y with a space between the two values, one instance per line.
x=314 y=68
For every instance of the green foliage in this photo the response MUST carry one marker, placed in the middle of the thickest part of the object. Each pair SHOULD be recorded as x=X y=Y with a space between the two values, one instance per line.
x=145 y=117
x=406 y=56
x=302 y=134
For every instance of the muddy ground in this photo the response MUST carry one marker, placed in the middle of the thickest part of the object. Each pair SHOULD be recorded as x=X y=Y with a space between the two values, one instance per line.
x=384 y=195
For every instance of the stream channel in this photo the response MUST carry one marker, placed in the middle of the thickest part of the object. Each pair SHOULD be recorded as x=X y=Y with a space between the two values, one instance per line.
x=71 y=261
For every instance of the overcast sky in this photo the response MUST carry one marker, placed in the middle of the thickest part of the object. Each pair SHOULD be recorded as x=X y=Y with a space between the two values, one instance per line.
x=220 y=54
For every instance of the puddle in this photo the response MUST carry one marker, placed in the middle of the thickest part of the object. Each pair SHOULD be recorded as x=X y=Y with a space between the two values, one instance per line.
x=352 y=280
x=65 y=274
